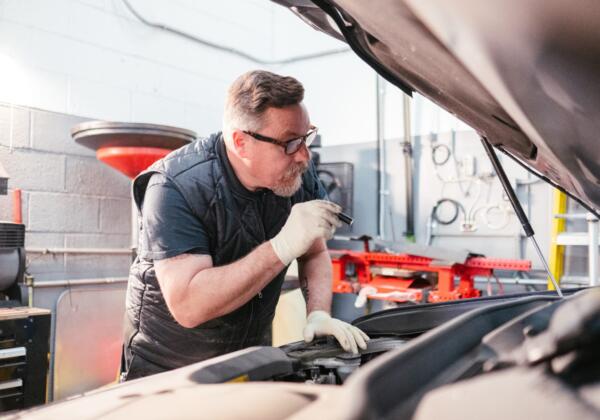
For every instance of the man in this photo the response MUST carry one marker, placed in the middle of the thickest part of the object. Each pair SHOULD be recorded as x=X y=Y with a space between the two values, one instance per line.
x=221 y=219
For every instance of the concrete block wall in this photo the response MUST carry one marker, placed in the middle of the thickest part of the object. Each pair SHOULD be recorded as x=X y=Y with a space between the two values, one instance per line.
x=69 y=198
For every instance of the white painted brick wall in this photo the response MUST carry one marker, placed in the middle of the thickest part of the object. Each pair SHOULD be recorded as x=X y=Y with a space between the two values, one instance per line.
x=50 y=133
x=115 y=215
x=50 y=212
x=33 y=170
x=95 y=59
x=98 y=99
x=14 y=126
x=89 y=176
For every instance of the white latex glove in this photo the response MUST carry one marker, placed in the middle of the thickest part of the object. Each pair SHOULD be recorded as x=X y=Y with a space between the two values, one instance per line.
x=307 y=222
x=320 y=323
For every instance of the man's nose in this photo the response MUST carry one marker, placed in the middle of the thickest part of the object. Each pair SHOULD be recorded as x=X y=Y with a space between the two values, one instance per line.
x=303 y=154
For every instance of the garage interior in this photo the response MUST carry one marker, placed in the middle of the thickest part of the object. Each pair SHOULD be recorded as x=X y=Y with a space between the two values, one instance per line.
x=91 y=89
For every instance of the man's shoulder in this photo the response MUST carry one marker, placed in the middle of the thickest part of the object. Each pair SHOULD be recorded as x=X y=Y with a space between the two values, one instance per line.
x=189 y=169
x=198 y=155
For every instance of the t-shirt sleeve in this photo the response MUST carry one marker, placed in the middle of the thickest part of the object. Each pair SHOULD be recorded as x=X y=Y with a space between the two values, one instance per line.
x=169 y=227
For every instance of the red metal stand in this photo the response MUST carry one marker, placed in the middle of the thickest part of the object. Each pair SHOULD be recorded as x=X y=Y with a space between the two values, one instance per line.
x=394 y=276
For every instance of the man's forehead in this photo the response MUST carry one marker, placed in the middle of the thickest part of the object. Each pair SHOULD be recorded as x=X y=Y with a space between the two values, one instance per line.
x=290 y=132
x=288 y=124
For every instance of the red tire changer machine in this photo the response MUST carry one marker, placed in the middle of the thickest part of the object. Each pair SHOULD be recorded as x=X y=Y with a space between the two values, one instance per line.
x=408 y=277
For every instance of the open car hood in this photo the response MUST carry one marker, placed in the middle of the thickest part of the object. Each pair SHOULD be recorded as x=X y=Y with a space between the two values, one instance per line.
x=525 y=74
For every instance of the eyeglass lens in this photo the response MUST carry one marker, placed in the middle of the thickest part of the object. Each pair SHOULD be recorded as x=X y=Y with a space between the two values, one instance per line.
x=293 y=146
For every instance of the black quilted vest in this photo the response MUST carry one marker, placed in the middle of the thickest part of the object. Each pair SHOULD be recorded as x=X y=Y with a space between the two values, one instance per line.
x=237 y=221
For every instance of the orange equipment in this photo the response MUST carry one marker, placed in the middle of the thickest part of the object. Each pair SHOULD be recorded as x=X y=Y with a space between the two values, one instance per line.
x=399 y=277
x=130 y=160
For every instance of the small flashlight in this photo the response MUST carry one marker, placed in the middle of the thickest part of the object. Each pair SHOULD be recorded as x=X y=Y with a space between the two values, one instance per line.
x=345 y=218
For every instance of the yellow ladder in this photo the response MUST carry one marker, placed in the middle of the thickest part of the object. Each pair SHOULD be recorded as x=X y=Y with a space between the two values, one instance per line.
x=557 y=252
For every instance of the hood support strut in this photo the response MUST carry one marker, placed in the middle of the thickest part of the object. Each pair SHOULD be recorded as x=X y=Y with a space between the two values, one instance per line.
x=510 y=192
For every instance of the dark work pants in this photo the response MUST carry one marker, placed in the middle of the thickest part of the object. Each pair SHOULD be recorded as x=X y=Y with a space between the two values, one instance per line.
x=133 y=366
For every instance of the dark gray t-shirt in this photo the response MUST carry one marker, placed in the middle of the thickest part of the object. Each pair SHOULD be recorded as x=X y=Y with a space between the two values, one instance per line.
x=170 y=227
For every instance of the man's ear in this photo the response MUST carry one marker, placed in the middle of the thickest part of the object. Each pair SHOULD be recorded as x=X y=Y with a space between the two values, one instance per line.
x=240 y=143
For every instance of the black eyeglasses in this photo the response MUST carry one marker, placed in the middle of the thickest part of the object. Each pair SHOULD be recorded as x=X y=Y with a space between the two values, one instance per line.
x=290 y=146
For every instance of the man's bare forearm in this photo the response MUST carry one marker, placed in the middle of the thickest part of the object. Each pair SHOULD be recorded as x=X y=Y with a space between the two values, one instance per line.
x=216 y=291
x=315 y=272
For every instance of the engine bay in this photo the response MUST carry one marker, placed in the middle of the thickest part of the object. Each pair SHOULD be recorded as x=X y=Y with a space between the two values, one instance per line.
x=324 y=362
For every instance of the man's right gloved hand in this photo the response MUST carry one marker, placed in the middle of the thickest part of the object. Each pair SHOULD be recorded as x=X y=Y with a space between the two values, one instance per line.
x=307 y=222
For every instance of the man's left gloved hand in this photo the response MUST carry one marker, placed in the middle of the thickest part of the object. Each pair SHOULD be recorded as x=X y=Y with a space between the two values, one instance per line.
x=320 y=323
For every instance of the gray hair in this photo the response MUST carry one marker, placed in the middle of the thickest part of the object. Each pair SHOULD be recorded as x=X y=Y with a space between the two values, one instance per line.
x=252 y=93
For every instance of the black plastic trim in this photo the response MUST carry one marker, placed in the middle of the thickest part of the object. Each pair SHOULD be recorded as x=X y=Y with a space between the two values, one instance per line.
x=355 y=44
x=416 y=319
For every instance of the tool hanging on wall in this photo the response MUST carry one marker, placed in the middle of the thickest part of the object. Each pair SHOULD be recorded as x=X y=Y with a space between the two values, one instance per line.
x=474 y=207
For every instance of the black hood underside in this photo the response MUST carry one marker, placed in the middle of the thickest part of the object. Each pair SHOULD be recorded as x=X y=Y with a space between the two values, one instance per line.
x=525 y=74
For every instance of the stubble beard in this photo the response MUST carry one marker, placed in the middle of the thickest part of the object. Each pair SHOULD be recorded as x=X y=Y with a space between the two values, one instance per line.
x=291 y=181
